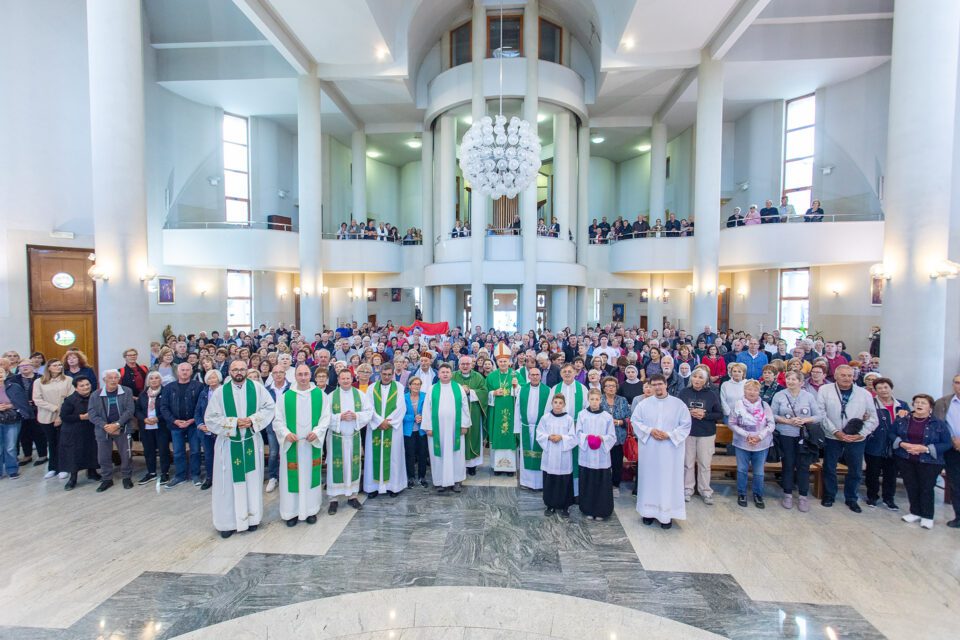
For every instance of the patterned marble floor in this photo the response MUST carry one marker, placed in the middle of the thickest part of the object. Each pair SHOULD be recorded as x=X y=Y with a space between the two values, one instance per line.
x=488 y=536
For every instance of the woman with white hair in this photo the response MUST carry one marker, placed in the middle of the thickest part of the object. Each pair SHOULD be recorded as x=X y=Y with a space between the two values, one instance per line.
x=204 y=438
x=154 y=432
x=751 y=421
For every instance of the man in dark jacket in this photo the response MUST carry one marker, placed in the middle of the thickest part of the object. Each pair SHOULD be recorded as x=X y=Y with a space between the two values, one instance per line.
x=705 y=412
x=112 y=414
x=178 y=406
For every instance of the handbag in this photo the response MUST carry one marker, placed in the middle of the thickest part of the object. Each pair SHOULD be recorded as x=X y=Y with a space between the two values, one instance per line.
x=631 y=448
x=9 y=416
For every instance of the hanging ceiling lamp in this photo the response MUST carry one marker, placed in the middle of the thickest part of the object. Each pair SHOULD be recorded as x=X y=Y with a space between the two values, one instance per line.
x=500 y=158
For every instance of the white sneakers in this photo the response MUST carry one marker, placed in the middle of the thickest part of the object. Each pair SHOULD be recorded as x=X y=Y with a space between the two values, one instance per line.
x=63 y=475
x=272 y=485
x=926 y=524
x=49 y=474
x=910 y=518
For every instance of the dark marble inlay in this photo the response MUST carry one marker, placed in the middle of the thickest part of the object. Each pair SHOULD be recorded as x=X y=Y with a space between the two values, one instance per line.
x=484 y=536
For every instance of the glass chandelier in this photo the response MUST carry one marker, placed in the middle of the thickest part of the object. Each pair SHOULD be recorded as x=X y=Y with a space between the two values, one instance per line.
x=500 y=158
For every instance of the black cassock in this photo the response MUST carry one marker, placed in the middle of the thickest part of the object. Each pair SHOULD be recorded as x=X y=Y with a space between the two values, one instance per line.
x=78 y=446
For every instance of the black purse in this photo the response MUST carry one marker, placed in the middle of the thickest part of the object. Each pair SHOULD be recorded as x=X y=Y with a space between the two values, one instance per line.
x=9 y=416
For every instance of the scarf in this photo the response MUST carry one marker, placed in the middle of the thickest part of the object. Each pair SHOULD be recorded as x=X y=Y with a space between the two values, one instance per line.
x=152 y=395
x=751 y=414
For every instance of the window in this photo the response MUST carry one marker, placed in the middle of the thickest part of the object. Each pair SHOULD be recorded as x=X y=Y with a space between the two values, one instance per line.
x=461 y=41
x=236 y=167
x=794 y=316
x=798 y=143
x=512 y=35
x=239 y=300
x=541 y=310
x=551 y=46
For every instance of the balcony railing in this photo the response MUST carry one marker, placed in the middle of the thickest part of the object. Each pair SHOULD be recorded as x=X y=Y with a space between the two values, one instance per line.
x=224 y=224
x=801 y=218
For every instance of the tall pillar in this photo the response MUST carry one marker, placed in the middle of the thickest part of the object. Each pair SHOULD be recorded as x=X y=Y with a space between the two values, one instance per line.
x=706 y=192
x=658 y=170
x=426 y=212
x=358 y=147
x=447 y=153
x=309 y=175
x=478 y=203
x=559 y=308
x=448 y=305
x=528 y=198
x=655 y=307
x=117 y=140
x=921 y=164
x=563 y=161
x=583 y=199
x=359 y=306
x=582 y=308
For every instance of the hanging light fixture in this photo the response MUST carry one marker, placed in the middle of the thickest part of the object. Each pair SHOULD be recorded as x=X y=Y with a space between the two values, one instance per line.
x=500 y=158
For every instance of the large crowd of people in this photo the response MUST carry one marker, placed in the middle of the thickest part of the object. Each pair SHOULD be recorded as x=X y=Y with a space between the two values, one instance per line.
x=573 y=414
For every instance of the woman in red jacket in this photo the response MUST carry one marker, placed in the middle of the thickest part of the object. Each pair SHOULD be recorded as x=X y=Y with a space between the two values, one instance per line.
x=715 y=362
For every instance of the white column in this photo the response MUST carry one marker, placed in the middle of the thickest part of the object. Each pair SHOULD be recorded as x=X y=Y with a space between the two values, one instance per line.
x=583 y=200
x=563 y=162
x=478 y=203
x=358 y=147
x=359 y=305
x=921 y=165
x=117 y=140
x=528 y=198
x=658 y=170
x=706 y=191
x=426 y=222
x=448 y=174
x=655 y=308
x=310 y=178
x=583 y=308
x=448 y=305
x=560 y=308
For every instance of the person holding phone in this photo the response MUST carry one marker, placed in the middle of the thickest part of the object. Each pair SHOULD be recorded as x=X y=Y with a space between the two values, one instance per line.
x=705 y=411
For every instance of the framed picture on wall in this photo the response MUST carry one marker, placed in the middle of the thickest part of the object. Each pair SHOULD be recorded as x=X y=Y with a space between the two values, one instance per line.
x=166 y=290
x=618 y=312
x=876 y=291
x=394 y=295
x=371 y=295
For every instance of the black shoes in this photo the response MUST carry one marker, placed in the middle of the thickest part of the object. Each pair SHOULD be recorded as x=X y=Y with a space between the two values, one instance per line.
x=549 y=512
x=332 y=509
x=106 y=484
x=292 y=522
x=758 y=501
x=564 y=513
x=471 y=471
x=253 y=527
x=666 y=525
x=853 y=506
x=392 y=494
x=954 y=524
x=648 y=521
x=226 y=534
x=423 y=483
x=742 y=500
x=127 y=483
x=372 y=495
x=147 y=477
x=891 y=505
x=71 y=483
x=410 y=484
x=456 y=488
x=206 y=484
x=827 y=502
x=353 y=502
x=40 y=462
x=311 y=519
x=164 y=478
x=872 y=502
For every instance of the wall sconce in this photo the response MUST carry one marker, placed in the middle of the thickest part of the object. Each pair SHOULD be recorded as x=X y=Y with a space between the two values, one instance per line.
x=879 y=270
x=742 y=292
x=98 y=273
x=689 y=288
x=357 y=292
x=283 y=292
x=722 y=288
x=202 y=288
x=744 y=186
x=324 y=291
x=946 y=269
x=282 y=194
x=213 y=180
x=827 y=169
x=836 y=290
x=92 y=257
x=296 y=290
x=662 y=295
x=644 y=294
x=149 y=273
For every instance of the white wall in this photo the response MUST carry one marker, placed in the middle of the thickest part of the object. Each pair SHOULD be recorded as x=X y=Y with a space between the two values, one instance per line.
x=383 y=191
x=601 y=200
x=757 y=157
x=411 y=197
x=678 y=193
x=273 y=160
x=341 y=197
x=400 y=312
x=633 y=195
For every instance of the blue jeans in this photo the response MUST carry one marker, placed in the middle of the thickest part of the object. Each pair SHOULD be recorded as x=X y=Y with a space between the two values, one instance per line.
x=9 y=434
x=852 y=453
x=180 y=439
x=205 y=441
x=273 y=455
x=746 y=459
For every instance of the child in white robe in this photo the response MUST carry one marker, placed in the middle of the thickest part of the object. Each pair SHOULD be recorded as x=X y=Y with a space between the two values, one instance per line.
x=596 y=437
x=556 y=434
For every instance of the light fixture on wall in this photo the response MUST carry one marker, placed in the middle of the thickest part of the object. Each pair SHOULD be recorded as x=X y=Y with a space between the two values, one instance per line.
x=283 y=292
x=744 y=186
x=213 y=180
x=282 y=194
x=644 y=294
x=836 y=289
x=148 y=273
x=689 y=288
x=827 y=169
x=96 y=272
x=722 y=288
x=880 y=270
x=742 y=292
x=324 y=291
x=945 y=269
x=296 y=291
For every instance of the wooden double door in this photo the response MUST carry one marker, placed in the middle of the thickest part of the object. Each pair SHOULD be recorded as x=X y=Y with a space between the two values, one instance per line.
x=63 y=302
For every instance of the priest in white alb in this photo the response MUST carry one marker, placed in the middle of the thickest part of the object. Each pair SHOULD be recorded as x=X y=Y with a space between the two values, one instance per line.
x=350 y=411
x=531 y=405
x=446 y=420
x=384 y=463
x=302 y=418
x=575 y=394
x=662 y=424
x=238 y=411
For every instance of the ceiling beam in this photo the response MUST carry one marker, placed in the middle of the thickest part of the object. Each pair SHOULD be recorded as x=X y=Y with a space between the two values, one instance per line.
x=683 y=83
x=273 y=29
x=336 y=96
x=220 y=44
x=735 y=26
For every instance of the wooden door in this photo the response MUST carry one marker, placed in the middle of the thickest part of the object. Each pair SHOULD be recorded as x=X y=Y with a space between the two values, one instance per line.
x=63 y=302
x=372 y=319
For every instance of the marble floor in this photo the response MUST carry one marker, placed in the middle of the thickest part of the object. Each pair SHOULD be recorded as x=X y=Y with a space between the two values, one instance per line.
x=482 y=564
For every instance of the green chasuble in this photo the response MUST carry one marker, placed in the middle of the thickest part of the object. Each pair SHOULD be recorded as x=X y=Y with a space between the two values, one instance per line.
x=337 y=440
x=382 y=440
x=500 y=414
x=293 y=463
x=474 y=439
x=532 y=451
x=579 y=402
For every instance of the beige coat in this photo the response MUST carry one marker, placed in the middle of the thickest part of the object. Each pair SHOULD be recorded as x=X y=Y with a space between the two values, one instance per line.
x=49 y=397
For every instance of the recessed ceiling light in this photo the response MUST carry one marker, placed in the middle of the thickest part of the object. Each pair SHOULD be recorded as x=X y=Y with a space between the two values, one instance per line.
x=373 y=153
x=597 y=139
x=628 y=43
x=643 y=148
x=468 y=119
x=381 y=52
x=541 y=117
x=414 y=143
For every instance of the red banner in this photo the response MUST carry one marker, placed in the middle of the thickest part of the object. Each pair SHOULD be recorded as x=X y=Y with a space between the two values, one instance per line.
x=428 y=328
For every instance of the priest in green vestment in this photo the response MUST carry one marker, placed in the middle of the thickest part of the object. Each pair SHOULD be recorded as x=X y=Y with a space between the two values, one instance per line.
x=502 y=388
x=472 y=380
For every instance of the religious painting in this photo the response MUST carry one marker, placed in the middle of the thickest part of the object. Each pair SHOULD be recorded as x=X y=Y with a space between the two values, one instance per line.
x=618 y=312
x=876 y=291
x=166 y=290
x=371 y=295
x=394 y=295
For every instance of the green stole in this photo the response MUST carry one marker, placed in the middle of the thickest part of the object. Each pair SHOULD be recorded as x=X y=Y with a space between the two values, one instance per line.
x=500 y=417
x=383 y=440
x=290 y=412
x=476 y=383
x=242 y=454
x=577 y=408
x=522 y=376
x=337 y=440
x=435 y=416
x=532 y=451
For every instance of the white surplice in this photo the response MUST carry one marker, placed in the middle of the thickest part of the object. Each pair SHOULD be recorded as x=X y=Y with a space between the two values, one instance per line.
x=597 y=424
x=557 y=456
x=347 y=428
x=660 y=462
x=237 y=505
x=569 y=392
x=532 y=479
x=450 y=466
x=397 y=481
x=306 y=502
